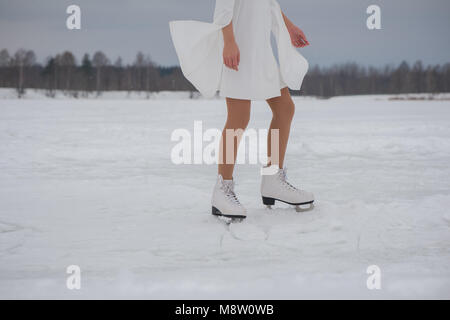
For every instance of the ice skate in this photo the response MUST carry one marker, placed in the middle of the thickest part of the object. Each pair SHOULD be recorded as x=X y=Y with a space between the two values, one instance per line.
x=276 y=188
x=224 y=201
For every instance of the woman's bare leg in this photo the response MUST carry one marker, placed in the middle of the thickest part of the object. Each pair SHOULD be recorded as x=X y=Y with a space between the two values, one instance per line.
x=237 y=120
x=283 y=109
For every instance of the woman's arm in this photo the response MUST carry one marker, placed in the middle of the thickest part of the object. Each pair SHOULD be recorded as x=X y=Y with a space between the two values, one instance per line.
x=231 y=54
x=298 y=38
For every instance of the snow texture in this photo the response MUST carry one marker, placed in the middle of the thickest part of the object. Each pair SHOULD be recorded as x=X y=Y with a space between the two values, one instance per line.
x=90 y=182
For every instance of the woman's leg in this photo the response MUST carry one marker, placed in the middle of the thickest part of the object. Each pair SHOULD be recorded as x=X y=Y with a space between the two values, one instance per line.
x=283 y=109
x=237 y=120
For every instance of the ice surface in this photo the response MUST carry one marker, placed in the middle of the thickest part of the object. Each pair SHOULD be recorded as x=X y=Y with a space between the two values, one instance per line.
x=90 y=183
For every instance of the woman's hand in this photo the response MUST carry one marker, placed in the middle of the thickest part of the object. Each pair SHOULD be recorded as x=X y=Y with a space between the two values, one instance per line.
x=231 y=55
x=298 y=38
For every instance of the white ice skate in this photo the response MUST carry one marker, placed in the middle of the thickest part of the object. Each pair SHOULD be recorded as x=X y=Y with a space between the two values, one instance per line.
x=275 y=187
x=224 y=201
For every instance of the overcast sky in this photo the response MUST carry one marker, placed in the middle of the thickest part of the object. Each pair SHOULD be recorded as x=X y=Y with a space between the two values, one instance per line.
x=411 y=29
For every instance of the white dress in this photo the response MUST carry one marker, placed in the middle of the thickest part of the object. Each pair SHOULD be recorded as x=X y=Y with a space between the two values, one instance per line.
x=199 y=46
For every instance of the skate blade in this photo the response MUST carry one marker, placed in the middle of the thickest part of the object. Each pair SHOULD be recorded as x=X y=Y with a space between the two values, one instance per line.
x=299 y=207
x=304 y=207
x=226 y=218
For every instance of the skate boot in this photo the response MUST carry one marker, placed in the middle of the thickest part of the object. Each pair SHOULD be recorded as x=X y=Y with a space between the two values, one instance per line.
x=275 y=187
x=224 y=201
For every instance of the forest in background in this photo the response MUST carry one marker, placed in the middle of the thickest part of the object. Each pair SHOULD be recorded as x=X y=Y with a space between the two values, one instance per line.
x=98 y=73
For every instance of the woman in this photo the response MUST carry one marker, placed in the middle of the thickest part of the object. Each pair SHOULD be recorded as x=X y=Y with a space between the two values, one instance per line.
x=234 y=55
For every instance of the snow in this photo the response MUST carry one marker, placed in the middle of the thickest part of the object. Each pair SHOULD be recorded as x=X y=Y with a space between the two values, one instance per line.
x=90 y=182
x=34 y=94
x=38 y=94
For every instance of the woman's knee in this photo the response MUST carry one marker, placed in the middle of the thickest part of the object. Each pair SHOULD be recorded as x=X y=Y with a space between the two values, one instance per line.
x=239 y=123
x=285 y=111
x=238 y=120
x=238 y=113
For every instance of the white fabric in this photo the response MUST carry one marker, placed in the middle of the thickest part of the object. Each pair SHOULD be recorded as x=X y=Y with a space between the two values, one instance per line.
x=199 y=46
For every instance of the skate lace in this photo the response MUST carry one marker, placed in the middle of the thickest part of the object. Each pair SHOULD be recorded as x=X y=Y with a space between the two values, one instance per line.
x=286 y=184
x=229 y=192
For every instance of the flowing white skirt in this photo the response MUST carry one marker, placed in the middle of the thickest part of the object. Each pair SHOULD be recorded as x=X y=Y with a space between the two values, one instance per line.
x=199 y=47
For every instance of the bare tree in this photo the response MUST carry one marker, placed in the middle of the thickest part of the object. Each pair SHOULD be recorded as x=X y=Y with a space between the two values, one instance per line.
x=150 y=73
x=118 y=63
x=139 y=64
x=49 y=75
x=146 y=73
x=68 y=63
x=118 y=73
x=5 y=59
x=100 y=60
x=87 y=72
x=446 y=77
x=431 y=79
x=23 y=58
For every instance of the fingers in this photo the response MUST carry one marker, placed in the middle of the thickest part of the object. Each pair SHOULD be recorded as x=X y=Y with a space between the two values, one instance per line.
x=297 y=43
x=300 y=42
x=232 y=62
x=303 y=38
x=236 y=63
x=228 y=62
x=303 y=42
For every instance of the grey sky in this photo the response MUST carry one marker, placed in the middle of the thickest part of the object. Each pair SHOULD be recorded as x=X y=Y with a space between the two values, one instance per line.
x=411 y=29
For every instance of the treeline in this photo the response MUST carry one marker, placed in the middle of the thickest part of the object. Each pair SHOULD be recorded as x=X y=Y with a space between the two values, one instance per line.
x=352 y=79
x=98 y=73
x=92 y=74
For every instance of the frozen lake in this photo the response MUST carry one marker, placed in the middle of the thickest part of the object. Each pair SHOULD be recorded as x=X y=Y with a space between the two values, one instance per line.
x=91 y=183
